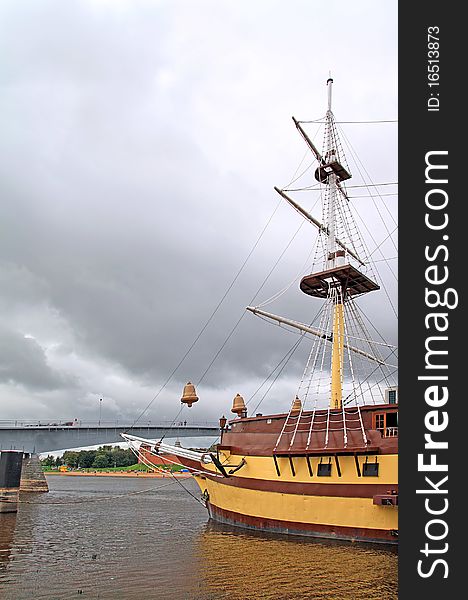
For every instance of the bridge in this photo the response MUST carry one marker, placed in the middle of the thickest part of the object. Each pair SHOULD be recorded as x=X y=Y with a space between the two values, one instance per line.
x=36 y=437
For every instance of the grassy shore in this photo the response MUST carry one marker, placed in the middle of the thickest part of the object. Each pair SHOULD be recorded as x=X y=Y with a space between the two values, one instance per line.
x=141 y=474
x=137 y=470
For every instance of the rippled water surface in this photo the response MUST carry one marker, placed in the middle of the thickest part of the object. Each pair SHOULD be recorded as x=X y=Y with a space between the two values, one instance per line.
x=160 y=545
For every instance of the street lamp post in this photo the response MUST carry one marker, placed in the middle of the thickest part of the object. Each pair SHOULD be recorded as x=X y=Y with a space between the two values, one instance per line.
x=100 y=409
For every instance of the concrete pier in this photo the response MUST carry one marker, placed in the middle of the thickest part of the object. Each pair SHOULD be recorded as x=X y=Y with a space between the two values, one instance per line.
x=11 y=462
x=32 y=476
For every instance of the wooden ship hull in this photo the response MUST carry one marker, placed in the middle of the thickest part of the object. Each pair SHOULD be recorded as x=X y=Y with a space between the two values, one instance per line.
x=338 y=492
x=348 y=493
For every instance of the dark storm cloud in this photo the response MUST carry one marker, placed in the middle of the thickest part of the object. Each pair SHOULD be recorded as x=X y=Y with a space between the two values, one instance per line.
x=23 y=362
x=139 y=148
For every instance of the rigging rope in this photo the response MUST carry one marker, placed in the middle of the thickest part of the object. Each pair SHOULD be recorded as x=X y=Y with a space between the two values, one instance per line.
x=140 y=456
x=294 y=178
x=387 y=263
x=316 y=186
x=367 y=196
x=251 y=302
x=359 y=162
x=288 y=358
x=100 y=499
x=289 y=354
x=381 y=244
x=169 y=427
x=321 y=120
x=210 y=317
x=361 y=311
x=349 y=398
x=285 y=289
x=384 y=259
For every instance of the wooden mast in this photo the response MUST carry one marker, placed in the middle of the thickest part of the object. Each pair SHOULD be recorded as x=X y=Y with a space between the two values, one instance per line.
x=339 y=280
x=333 y=258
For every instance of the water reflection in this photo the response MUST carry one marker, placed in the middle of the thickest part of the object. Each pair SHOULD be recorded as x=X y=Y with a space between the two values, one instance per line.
x=7 y=534
x=160 y=546
x=241 y=565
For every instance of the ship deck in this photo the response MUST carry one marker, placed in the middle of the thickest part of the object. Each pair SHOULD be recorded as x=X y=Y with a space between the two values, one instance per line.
x=371 y=430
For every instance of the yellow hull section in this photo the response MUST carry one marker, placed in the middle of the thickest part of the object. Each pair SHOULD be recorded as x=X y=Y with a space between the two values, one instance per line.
x=341 y=511
x=323 y=510
x=263 y=467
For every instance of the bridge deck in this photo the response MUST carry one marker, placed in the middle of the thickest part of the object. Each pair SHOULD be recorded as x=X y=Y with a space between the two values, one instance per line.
x=42 y=436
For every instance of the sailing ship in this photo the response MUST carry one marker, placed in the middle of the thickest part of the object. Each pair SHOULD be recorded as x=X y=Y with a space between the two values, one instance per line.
x=328 y=466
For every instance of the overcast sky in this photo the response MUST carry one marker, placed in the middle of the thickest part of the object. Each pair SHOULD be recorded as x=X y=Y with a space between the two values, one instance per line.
x=140 y=143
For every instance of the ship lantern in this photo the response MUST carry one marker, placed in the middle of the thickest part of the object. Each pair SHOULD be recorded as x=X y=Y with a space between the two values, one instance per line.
x=238 y=406
x=297 y=406
x=222 y=422
x=189 y=395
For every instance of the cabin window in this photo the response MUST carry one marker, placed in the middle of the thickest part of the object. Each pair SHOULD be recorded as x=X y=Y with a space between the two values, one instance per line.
x=387 y=424
x=324 y=470
x=380 y=423
x=370 y=469
x=391 y=425
x=392 y=396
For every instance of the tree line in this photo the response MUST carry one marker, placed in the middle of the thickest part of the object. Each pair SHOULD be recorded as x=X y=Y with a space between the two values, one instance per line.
x=102 y=458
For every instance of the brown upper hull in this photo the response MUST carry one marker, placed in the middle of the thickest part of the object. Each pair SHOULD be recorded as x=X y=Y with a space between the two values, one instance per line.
x=258 y=436
x=341 y=490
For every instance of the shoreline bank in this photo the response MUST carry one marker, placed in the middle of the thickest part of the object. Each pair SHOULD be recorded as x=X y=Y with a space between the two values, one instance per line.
x=119 y=474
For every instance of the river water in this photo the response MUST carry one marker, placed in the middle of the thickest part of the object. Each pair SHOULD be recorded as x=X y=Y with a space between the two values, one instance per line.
x=96 y=537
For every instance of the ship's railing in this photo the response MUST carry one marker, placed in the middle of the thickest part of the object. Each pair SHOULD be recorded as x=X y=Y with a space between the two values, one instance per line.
x=352 y=422
x=388 y=431
x=336 y=424
x=323 y=427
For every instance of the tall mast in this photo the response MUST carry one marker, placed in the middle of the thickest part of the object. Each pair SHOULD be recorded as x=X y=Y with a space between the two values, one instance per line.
x=331 y=262
x=331 y=245
x=337 y=282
